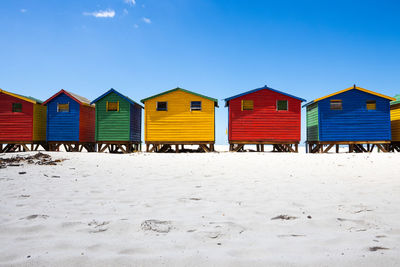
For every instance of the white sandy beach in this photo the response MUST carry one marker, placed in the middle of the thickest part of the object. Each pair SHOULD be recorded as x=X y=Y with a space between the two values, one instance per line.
x=202 y=209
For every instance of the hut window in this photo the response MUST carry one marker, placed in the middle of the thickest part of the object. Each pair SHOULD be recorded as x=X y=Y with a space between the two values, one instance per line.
x=371 y=105
x=282 y=105
x=195 y=105
x=62 y=107
x=336 y=105
x=162 y=106
x=247 y=104
x=112 y=106
x=16 y=107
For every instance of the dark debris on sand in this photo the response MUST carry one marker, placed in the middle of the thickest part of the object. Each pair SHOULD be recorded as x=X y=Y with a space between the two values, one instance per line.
x=284 y=217
x=377 y=248
x=38 y=159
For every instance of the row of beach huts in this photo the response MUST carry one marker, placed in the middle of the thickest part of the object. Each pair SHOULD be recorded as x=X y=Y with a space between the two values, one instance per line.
x=355 y=117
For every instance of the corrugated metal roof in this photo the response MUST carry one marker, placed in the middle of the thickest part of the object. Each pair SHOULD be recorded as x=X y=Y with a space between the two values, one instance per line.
x=397 y=101
x=183 y=90
x=80 y=99
x=262 y=88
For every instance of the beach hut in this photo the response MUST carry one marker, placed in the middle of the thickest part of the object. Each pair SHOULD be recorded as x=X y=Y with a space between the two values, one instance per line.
x=179 y=117
x=22 y=122
x=264 y=116
x=395 y=123
x=354 y=116
x=118 y=123
x=70 y=122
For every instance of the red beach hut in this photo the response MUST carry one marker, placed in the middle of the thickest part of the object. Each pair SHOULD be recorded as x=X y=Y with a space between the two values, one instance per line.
x=264 y=116
x=22 y=122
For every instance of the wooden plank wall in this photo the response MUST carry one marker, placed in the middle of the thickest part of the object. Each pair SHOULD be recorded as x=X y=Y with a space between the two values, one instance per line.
x=15 y=126
x=112 y=125
x=264 y=122
x=39 y=122
x=354 y=122
x=63 y=126
x=135 y=123
x=87 y=124
x=395 y=122
x=312 y=122
x=179 y=123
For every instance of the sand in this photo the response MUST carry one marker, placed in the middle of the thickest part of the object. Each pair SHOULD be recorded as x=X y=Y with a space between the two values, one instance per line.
x=216 y=209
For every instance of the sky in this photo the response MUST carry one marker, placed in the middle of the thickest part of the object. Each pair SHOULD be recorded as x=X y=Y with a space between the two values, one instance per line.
x=218 y=48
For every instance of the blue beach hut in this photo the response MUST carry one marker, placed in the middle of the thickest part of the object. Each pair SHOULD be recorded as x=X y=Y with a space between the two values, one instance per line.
x=70 y=122
x=354 y=116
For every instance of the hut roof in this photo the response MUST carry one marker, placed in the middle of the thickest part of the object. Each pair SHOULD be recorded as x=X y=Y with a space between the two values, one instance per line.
x=183 y=90
x=26 y=98
x=112 y=90
x=348 y=89
x=258 y=89
x=397 y=101
x=80 y=99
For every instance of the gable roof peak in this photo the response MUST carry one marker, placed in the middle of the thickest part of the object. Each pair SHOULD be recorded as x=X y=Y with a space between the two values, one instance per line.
x=183 y=90
x=258 y=89
x=354 y=87
x=112 y=90
x=80 y=99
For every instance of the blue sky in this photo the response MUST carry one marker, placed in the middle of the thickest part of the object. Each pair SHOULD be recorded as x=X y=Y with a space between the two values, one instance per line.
x=217 y=48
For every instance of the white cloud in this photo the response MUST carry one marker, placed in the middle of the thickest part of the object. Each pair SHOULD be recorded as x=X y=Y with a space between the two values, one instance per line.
x=130 y=2
x=23 y=10
x=109 y=13
x=125 y=11
x=147 y=20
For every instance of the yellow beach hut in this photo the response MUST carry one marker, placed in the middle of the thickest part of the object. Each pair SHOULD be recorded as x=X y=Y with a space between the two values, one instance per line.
x=179 y=117
x=395 y=123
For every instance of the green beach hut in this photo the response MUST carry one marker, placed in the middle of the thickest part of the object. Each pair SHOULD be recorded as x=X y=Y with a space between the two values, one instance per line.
x=118 y=123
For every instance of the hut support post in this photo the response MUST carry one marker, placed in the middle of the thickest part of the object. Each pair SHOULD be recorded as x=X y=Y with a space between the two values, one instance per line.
x=178 y=146
x=354 y=146
x=22 y=146
x=238 y=146
x=114 y=146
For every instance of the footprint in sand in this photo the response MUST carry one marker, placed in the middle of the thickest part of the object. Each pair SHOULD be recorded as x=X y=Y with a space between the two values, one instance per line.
x=216 y=230
x=366 y=225
x=156 y=226
x=98 y=226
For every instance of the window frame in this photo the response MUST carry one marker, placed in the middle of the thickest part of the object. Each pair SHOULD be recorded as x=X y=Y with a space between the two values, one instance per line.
x=14 y=109
x=287 y=105
x=58 y=107
x=166 y=106
x=366 y=104
x=337 y=101
x=196 y=109
x=108 y=106
x=247 y=109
